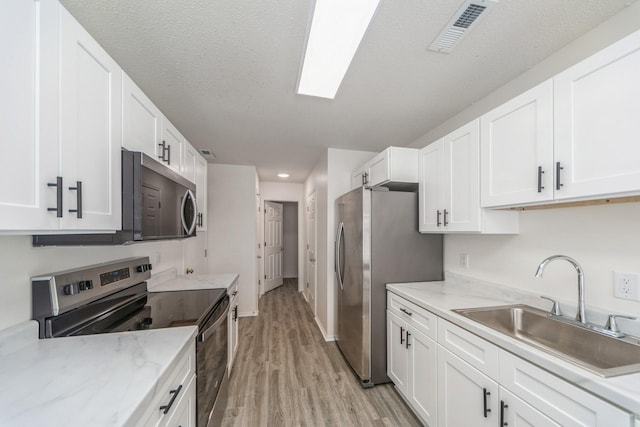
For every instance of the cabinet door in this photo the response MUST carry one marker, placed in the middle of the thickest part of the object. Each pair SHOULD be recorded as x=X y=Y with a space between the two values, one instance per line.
x=140 y=119
x=379 y=169
x=596 y=126
x=514 y=412
x=462 y=393
x=462 y=179
x=516 y=145
x=431 y=203
x=233 y=349
x=90 y=130
x=201 y=191
x=172 y=139
x=184 y=413
x=397 y=354
x=28 y=40
x=423 y=376
x=189 y=162
x=358 y=178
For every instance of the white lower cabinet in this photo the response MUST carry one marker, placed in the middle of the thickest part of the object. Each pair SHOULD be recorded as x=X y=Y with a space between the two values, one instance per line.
x=465 y=395
x=411 y=357
x=173 y=403
x=464 y=380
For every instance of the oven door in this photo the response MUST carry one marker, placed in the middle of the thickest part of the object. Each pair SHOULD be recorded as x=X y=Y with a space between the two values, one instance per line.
x=211 y=360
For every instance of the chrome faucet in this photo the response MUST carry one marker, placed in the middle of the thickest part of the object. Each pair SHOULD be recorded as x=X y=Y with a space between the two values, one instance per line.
x=580 y=315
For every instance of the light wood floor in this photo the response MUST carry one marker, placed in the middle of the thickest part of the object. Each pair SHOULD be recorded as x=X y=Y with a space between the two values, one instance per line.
x=285 y=374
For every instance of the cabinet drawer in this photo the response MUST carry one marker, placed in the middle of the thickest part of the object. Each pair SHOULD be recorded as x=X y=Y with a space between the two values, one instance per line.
x=181 y=374
x=561 y=401
x=477 y=352
x=421 y=319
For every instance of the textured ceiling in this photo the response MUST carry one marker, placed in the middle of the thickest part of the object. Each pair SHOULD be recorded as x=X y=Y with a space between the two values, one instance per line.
x=225 y=71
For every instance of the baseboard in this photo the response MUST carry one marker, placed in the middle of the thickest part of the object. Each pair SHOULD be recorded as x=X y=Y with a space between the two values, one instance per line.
x=304 y=295
x=249 y=314
x=323 y=332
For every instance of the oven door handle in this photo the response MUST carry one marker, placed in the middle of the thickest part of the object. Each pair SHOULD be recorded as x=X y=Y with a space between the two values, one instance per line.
x=204 y=335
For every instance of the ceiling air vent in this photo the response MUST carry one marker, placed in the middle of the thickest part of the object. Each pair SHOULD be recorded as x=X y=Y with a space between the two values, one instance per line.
x=468 y=15
x=208 y=154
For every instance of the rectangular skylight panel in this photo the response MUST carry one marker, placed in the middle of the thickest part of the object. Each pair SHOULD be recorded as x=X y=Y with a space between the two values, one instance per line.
x=335 y=34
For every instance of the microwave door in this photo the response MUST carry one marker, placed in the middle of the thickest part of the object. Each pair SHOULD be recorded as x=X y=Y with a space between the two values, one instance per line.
x=188 y=212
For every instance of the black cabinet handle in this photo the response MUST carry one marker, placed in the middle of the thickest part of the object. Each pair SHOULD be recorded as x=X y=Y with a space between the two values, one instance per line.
x=406 y=341
x=540 y=186
x=445 y=218
x=558 y=169
x=78 y=190
x=486 y=393
x=165 y=408
x=438 y=213
x=503 y=406
x=401 y=333
x=407 y=312
x=169 y=155
x=235 y=313
x=58 y=208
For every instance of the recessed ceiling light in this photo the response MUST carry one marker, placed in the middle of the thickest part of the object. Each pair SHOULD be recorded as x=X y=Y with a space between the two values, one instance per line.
x=283 y=175
x=335 y=33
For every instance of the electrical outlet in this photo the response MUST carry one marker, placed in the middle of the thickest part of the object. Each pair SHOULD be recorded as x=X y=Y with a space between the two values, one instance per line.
x=626 y=285
x=464 y=260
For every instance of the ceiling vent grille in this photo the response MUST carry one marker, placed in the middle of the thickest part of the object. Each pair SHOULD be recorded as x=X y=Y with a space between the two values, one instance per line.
x=468 y=15
x=208 y=154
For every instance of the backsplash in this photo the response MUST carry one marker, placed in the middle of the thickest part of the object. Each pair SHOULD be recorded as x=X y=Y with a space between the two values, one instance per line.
x=601 y=238
x=19 y=261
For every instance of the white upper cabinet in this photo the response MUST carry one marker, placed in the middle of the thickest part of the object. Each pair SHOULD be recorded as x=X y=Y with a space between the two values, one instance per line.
x=571 y=138
x=63 y=98
x=462 y=178
x=596 y=127
x=517 y=149
x=189 y=162
x=29 y=87
x=170 y=150
x=394 y=164
x=141 y=120
x=90 y=130
x=201 y=192
x=449 y=187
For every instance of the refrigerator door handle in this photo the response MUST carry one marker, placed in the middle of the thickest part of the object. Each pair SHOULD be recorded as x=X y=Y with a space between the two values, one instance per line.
x=337 y=254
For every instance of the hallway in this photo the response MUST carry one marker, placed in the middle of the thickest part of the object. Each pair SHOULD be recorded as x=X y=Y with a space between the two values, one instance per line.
x=285 y=374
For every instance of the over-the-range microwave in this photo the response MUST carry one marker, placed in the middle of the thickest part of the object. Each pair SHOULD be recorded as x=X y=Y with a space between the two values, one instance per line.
x=157 y=204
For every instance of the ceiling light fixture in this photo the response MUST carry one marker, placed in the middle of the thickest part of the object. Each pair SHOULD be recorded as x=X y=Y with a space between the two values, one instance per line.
x=334 y=35
x=283 y=175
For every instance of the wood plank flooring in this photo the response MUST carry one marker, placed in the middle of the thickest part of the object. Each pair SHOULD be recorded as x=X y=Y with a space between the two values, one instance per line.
x=285 y=374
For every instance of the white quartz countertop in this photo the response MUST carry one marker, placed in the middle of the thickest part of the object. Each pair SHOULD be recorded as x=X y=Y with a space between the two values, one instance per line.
x=93 y=380
x=441 y=297
x=169 y=282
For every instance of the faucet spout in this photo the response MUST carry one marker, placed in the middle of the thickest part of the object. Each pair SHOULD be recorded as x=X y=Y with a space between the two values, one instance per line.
x=581 y=314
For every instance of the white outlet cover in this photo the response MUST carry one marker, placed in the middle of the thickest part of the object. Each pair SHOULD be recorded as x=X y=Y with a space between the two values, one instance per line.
x=626 y=285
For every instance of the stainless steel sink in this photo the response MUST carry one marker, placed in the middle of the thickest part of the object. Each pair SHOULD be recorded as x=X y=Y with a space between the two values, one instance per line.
x=600 y=354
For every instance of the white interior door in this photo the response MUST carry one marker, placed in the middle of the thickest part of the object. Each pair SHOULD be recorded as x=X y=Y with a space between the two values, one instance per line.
x=310 y=289
x=272 y=245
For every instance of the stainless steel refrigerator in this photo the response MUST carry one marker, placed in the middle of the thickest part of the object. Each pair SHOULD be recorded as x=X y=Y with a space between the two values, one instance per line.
x=377 y=242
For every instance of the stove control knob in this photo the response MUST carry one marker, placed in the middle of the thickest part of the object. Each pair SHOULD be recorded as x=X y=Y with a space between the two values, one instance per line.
x=83 y=285
x=142 y=268
x=71 y=289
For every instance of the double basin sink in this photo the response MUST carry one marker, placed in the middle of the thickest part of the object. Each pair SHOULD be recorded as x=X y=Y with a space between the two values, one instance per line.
x=600 y=354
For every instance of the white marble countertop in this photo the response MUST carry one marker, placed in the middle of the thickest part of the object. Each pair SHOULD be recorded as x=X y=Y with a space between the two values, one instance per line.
x=92 y=380
x=169 y=281
x=441 y=297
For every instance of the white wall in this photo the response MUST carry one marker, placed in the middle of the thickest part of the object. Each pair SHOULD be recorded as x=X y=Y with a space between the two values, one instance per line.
x=232 y=223
x=19 y=261
x=288 y=192
x=601 y=238
x=317 y=182
x=330 y=179
x=290 y=241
